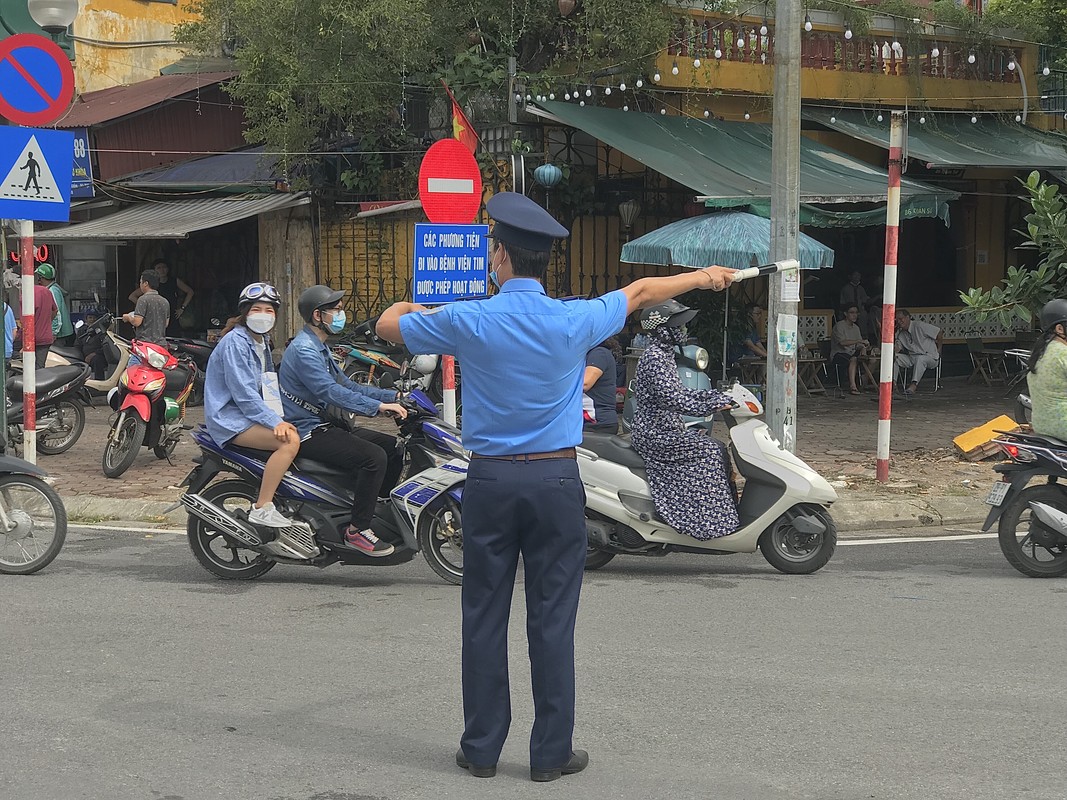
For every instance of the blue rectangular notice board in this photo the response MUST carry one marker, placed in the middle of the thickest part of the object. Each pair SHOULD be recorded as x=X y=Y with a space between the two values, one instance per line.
x=451 y=263
x=81 y=184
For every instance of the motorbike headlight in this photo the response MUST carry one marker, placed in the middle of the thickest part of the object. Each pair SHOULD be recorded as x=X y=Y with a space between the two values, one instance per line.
x=702 y=359
x=157 y=360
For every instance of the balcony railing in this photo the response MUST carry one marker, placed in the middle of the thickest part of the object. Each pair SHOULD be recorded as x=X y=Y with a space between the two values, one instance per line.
x=741 y=42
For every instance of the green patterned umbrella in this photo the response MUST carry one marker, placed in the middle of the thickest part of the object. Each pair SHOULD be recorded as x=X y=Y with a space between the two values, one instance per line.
x=728 y=238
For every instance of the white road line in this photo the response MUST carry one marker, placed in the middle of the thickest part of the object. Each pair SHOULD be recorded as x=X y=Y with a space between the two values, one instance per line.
x=450 y=185
x=963 y=537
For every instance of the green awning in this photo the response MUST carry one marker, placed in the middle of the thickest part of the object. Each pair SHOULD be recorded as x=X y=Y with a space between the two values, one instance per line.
x=911 y=208
x=952 y=140
x=728 y=164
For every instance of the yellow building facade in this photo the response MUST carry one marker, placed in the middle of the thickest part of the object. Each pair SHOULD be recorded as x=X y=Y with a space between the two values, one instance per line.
x=120 y=42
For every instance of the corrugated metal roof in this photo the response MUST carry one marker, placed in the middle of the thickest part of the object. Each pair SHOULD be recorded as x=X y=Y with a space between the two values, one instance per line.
x=105 y=105
x=174 y=219
x=248 y=167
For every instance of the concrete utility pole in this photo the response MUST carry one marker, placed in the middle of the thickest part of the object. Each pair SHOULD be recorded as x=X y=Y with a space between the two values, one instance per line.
x=785 y=220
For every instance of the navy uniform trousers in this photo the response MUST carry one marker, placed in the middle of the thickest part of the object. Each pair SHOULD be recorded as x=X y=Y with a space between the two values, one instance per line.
x=536 y=508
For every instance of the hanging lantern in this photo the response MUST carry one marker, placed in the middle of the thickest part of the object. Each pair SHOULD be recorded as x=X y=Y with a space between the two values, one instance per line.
x=548 y=175
x=628 y=212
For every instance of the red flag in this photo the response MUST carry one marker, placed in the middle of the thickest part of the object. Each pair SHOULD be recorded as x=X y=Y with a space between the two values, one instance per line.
x=461 y=126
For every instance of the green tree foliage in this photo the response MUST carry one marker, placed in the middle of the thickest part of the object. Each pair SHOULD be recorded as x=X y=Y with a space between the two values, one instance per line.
x=1022 y=294
x=1045 y=20
x=312 y=70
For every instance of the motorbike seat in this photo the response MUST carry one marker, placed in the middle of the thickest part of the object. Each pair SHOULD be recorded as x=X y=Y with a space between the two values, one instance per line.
x=69 y=353
x=176 y=380
x=50 y=378
x=613 y=448
x=300 y=464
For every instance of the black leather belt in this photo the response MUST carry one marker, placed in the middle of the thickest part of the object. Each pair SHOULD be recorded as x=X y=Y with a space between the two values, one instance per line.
x=566 y=452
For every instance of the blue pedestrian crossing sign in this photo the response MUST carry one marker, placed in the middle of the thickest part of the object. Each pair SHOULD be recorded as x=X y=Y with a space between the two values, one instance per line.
x=36 y=166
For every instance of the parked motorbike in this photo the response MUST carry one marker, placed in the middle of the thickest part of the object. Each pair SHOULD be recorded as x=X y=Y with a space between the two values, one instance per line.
x=150 y=401
x=60 y=415
x=374 y=356
x=96 y=337
x=784 y=508
x=423 y=513
x=198 y=351
x=1032 y=520
x=33 y=521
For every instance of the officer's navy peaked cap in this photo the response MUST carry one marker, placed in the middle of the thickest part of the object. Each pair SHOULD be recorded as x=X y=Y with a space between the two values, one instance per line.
x=523 y=223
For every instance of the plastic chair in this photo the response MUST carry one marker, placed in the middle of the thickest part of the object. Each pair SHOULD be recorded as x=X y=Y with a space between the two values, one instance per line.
x=824 y=351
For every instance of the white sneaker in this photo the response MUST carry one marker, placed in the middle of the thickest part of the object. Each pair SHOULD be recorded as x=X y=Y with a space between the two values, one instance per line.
x=269 y=517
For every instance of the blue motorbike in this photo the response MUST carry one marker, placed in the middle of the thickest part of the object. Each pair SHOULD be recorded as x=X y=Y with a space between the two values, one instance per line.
x=423 y=513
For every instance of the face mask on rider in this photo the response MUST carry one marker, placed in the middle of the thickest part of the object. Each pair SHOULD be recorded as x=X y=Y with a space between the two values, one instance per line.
x=260 y=322
x=337 y=322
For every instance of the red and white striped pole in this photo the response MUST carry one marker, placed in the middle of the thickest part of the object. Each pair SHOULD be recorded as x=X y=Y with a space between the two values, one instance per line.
x=448 y=388
x=889 y=293
x=29 y=360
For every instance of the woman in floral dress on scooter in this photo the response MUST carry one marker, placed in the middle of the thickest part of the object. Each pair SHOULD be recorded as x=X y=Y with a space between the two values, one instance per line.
x=688 y=470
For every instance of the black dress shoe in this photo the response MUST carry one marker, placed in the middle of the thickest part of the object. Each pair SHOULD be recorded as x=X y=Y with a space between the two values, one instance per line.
x=579 y=761
x=475 y=770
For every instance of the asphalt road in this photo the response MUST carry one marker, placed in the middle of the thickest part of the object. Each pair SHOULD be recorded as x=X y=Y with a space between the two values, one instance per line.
x=906 y=670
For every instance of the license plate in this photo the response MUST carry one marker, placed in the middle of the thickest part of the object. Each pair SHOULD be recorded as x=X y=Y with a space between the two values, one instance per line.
x=998 y=493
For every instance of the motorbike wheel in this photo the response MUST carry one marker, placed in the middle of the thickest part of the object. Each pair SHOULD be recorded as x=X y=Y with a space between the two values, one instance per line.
x=441 y=541
x=795 y=553
x=39 y=524
x=217 y=553
x=361 y=376
x=1029 y=546
x=595 y=559
x=70 y=422
x=123 y=444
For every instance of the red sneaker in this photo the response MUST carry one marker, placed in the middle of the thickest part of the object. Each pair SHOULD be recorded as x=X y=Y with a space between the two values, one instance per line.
x=367 y=543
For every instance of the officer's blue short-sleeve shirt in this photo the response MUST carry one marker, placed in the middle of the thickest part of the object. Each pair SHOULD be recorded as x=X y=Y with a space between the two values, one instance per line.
x=522 y=356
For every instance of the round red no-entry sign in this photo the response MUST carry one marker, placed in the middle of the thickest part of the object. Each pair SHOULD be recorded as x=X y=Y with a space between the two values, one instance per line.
x=36 y=79
x=450 y=183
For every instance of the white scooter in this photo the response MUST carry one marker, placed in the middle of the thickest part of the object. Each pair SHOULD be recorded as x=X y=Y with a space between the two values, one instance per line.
x=116 y=350
x=783 y=508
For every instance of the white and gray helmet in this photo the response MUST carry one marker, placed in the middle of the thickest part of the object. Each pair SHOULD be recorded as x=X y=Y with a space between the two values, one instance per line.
x=671 y=314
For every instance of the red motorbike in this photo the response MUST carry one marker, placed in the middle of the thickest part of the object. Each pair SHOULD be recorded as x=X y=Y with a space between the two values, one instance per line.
x=150 y=401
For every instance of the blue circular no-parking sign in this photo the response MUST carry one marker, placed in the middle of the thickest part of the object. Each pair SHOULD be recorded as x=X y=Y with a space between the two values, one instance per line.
x=36 y=79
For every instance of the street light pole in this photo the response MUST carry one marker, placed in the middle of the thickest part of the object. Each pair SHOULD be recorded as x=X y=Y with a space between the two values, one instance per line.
x=785 y=222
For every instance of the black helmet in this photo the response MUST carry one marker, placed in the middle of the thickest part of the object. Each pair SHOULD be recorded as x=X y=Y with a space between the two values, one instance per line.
x=1054 y=311
x=317 y=297
x=671 y=314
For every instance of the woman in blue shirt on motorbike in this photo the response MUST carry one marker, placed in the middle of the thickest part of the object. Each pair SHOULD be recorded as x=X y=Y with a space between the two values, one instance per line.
x=242 y=404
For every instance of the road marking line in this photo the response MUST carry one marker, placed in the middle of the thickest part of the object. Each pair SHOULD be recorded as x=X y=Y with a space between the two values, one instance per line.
x=912 y=539
x=450 y=185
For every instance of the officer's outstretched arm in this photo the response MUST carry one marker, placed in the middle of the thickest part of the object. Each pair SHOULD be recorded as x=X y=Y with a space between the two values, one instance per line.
x=650 y=291
x=388 y=326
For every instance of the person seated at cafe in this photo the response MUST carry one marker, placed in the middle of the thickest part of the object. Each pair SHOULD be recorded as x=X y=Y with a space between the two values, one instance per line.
x=918 y=346
x=848 y=345
x=750 y=347
x=750 y=344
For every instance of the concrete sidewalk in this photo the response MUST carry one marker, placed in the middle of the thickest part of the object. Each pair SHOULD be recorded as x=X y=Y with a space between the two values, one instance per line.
x=930 y=485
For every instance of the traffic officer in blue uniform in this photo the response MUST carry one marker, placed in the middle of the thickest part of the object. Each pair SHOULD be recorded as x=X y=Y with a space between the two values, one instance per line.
x=523 y=358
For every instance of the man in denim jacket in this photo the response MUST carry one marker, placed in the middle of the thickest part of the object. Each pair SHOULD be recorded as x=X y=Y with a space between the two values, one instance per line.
x=310 y=381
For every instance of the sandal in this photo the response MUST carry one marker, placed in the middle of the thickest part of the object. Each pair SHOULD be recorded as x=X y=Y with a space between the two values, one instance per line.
x=854 y=391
